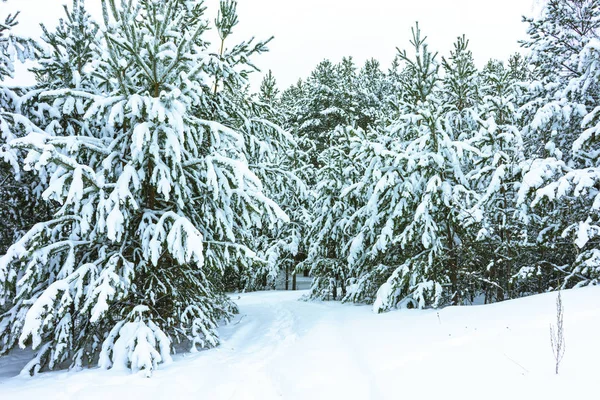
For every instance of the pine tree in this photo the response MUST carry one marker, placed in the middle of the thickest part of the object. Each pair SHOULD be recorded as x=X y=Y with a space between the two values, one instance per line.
x=294 y=111
x=154 y=191
x=268 y=89
x=496 y=172
x=68 y=62
x=370 y=92
x=460 y=80
x=326 y=100
x=273 y=155
x=375 y=155
x=71 y=53
x=416 y=219
x=461 y=113
x=18 y=208
x=331 y=230
x=555 y=41
x=558 y=187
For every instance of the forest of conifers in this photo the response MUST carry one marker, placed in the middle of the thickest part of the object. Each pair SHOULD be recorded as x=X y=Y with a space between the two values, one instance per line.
x=143 y=180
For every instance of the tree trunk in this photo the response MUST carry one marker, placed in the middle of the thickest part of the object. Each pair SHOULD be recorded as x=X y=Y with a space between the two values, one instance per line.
x=334 y=290
x=343 y=286
x=287 y=278
x=452 y=264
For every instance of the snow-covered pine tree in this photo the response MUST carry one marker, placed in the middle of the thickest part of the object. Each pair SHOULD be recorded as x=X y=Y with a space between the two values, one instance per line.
x=338 y=266
x=518 y=69
x=13 y=48
x=331 y=230
x=71 y=51
x=154 y=192
x=273 y=155
x=460 y=89
x=268 y=89
x=345 y=106
x=319 y=109
x=418 y=209
x=293 y=108
x=376 y=156
x=556 y=39
x=559 y=132
x=462 y=112
x=66 y=60
x=581 y=183
x=18 y=207
x=348 y=104
x=392 y=89
x=496 y=173
x=313 y=110
x=370 y=88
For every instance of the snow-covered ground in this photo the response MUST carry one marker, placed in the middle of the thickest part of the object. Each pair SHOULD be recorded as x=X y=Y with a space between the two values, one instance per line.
x=281 y=348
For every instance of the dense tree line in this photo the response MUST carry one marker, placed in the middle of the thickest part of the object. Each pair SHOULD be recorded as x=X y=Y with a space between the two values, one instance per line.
x=142 y=180
x=437 y=183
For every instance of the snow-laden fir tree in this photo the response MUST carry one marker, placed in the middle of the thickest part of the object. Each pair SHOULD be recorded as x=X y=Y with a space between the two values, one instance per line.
x=313 y=110
x=13 y=48
x=380 y=195
x=392 y=89
x=156 y=199
x=293 y=107
x=375 y=158
x=556 y=39
x=559 y=191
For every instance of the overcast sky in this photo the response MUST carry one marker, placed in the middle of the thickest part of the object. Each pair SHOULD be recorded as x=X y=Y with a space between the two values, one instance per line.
x=308 y=31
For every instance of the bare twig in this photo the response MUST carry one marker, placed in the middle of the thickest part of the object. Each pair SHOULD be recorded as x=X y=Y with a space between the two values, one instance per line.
x=557 y=339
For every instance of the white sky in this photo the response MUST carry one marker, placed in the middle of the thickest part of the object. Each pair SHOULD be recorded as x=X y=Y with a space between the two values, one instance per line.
x=308 y=31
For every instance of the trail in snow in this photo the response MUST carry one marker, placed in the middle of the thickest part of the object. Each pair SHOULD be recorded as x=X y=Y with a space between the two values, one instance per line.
x=282 y=348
